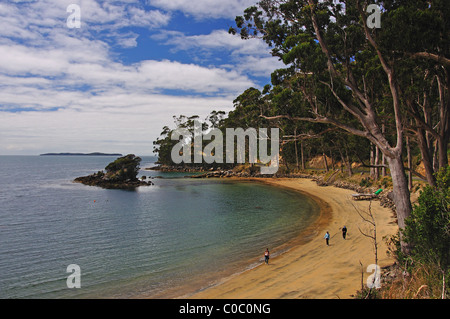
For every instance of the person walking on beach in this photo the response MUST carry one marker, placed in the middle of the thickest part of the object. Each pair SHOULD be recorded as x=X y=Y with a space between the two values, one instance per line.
x=344 y=232
x=327 y=238
x=266 y=256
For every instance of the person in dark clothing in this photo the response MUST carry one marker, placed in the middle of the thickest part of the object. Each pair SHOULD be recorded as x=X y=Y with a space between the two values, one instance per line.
x=344 y=232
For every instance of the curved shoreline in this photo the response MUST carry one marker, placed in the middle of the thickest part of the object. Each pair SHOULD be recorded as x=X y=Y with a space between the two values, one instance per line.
x=310 y=269
x=249 y=263
x=323 y=219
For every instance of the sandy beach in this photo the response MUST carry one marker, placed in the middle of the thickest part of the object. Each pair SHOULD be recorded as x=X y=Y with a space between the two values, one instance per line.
x=311 y=269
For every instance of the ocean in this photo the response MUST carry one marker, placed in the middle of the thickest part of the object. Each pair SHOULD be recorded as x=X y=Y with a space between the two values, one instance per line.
x=168 y=240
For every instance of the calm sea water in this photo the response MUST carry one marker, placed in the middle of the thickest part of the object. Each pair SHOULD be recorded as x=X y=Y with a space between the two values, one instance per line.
x=180 y=235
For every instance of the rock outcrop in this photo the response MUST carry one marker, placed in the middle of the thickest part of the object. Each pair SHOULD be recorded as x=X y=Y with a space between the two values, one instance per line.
x=120 y=174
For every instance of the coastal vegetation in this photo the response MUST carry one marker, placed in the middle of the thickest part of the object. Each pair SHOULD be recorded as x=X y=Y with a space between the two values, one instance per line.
x=357 y=99
x=424 y=272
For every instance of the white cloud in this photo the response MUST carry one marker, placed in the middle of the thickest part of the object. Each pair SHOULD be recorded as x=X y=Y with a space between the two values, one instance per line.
x=35 y=21
x=202 y=9
x=126 y=123
x=217 y=39
x=80 y=68
x=262 y=66
x=251 y=56
x=65 y=89
x=190 y=77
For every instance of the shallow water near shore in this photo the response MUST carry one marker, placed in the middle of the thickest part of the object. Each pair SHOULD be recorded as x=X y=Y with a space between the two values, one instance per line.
x=177 y=236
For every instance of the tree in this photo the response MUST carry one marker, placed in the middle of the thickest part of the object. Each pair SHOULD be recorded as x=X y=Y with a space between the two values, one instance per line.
x=163 y=147
x=123 y=169
x=339 y=65
x=216 y=119
x=421 y=52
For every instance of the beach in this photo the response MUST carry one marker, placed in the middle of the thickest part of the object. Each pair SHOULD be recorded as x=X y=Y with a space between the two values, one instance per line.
x=311 y=269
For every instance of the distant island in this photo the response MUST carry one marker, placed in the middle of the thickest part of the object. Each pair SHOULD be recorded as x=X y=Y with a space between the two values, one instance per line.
x=80 y=154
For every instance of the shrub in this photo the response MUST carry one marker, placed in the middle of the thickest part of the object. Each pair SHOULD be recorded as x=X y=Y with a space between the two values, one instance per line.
x=124 y=168
x=428 y=228
x=366 y=182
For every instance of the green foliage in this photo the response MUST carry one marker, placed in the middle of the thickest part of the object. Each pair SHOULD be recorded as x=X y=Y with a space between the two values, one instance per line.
x=422 y=274
x=124 y=168
x=163 y=146
x=366 y=182
x=428 y=228
x=385 y=182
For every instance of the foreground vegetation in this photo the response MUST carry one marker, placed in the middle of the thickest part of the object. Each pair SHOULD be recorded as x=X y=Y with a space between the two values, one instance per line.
x=423 y=273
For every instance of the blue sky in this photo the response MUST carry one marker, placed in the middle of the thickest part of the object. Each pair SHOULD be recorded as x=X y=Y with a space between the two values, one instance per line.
x=112 y=84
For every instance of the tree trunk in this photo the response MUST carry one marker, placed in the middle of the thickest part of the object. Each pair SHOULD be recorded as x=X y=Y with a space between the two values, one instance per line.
x=444 y=105
x=402 y=199
x=377 y=160
x=442 y=148
x=332 y=160
x=342 y=160
x=372 y=162
x=325 y=162
x=296 y=147
x=427 y=159
x=383 y=157
x=435 y=157
x=302 y=155
x=349 y=164
x=410 y=175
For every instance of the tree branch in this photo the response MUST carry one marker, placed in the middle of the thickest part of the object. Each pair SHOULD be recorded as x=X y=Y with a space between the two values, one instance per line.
x=392 y=83
x=368 y=165
x=304 y=136
x=386 y=166
x=431 y=56
x=323 y=120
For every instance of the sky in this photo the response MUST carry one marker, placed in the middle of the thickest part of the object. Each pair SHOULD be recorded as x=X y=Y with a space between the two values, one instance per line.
x=112 y=84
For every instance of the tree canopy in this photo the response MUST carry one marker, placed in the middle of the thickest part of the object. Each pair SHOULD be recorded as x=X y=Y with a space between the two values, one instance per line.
x=123 y=168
